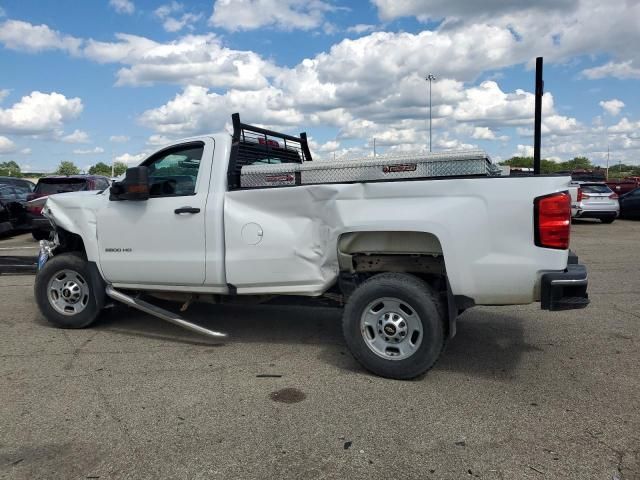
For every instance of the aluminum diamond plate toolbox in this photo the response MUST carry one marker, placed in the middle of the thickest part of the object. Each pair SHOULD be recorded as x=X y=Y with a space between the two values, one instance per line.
x=388 y=167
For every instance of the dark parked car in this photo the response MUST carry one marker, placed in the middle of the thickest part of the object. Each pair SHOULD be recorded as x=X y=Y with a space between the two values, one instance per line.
x=630 y=204
x=13 y=196
x=58 y=184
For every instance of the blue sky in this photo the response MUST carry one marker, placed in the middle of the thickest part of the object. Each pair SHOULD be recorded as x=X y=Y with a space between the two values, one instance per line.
x=98 y=80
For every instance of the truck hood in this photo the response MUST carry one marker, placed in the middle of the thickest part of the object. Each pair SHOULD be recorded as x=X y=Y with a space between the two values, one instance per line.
x=74 y=212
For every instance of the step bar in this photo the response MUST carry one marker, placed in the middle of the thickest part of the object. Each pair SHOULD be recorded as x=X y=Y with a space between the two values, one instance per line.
x=161 y=313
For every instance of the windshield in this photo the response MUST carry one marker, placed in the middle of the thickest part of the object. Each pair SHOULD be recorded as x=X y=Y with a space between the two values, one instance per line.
x=596 y=189
x=60 y=185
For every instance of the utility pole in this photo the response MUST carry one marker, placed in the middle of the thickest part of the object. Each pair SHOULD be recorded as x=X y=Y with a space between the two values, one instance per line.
x=374 y=147
x=537 y=116
x=429 y=78
x=607 y=174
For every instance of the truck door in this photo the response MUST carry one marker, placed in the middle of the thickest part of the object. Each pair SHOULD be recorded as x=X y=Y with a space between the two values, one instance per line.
x=160 y=240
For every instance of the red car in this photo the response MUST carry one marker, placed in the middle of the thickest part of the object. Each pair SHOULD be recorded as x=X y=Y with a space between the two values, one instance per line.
x=625 y=185
x=58 y=184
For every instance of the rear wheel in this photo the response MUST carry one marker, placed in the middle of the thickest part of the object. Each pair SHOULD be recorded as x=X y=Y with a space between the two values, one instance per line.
x=393 y=325
x=64 y=292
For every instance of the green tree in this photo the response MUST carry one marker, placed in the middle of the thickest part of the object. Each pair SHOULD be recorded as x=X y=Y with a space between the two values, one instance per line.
x=9 y=169
x=546 y=166
x=100 y=169
x=582 y=163
x=67 y=168
x=119 y=168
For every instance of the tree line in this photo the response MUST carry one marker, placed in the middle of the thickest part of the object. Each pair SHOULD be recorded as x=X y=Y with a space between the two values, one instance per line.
x=578 y=163
x=12 y=169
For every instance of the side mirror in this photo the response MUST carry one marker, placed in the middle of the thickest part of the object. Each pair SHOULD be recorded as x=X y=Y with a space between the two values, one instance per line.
x=135 y=185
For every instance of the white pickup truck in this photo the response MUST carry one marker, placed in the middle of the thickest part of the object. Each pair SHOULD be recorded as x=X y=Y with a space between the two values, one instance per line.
x=248 y=216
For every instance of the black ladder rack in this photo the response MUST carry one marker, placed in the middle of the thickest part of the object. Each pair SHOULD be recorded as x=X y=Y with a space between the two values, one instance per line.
x=253 y=145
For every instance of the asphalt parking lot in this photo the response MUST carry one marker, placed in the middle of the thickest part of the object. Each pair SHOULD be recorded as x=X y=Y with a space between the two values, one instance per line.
x=518 y=394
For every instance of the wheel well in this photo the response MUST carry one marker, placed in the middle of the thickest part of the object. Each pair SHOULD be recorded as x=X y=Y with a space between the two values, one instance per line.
x=393 y=251
x=70 y=242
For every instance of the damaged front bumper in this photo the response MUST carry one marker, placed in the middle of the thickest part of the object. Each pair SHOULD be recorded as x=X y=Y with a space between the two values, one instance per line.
x=46 y=250
x=565 y=290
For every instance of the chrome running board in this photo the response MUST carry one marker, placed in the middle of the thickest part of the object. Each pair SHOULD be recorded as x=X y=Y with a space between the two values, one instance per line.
x=161 y=313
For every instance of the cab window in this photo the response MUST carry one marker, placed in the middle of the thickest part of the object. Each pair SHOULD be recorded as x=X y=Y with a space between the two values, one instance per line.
x=173 y=172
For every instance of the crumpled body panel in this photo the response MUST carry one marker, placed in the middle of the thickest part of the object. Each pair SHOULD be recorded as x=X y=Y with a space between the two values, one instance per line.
x=76 y=213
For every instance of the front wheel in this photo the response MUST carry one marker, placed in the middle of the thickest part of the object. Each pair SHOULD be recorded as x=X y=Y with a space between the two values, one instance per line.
x=393 y=325
x=64 y=292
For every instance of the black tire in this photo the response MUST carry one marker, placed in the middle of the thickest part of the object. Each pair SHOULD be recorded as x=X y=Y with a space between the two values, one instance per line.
x=607 y=220
x=40 y=234
x=420 y=297
x=73 y=262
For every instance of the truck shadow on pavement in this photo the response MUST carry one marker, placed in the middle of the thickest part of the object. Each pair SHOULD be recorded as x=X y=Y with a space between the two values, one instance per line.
x=488 y=343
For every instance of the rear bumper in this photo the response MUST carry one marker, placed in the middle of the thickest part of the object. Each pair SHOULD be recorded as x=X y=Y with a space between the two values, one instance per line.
x=596 y=214
x=565 y=290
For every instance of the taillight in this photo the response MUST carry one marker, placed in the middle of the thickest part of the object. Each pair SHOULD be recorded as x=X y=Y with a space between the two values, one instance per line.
x=584 y=195
x=613 y=195
x=580 y=194
x=552 y=220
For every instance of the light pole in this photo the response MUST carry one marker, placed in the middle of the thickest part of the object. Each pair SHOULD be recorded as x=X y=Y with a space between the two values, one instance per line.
x=429 y=78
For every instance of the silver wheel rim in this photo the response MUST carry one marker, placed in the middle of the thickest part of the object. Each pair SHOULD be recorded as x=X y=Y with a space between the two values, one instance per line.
x=391 y=328
x=68 y=292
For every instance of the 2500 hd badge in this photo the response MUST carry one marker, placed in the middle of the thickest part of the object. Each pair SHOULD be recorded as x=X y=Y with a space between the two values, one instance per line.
x=118 y=250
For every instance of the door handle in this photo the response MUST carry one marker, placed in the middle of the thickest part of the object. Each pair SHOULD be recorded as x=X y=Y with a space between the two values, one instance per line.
x=180 y=210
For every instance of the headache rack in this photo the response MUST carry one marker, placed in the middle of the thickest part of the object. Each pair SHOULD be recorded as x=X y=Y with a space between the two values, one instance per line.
x=257 y=146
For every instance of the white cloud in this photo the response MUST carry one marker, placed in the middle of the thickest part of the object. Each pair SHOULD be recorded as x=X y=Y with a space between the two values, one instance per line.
x=172 y=22
x=26 y=151
x=4 y=93
x=158 y=140
x=361 y=28
x=625 y=126
x=426 y=10
x=483 y=133
x=123 y=6
x=193 y=59
x=131 y=159
x=281 y=14
x=6 y=145
x=90 y=151
x=523 y=151
x=78 y=136
x=621 y=70
x=570 y=27
x=197 y=110
x=118 y=138
x=39 y=113
x=23 y=36
x=612 y=107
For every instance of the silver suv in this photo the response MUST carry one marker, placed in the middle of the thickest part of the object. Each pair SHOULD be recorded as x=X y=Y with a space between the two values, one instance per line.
x=596 y=200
